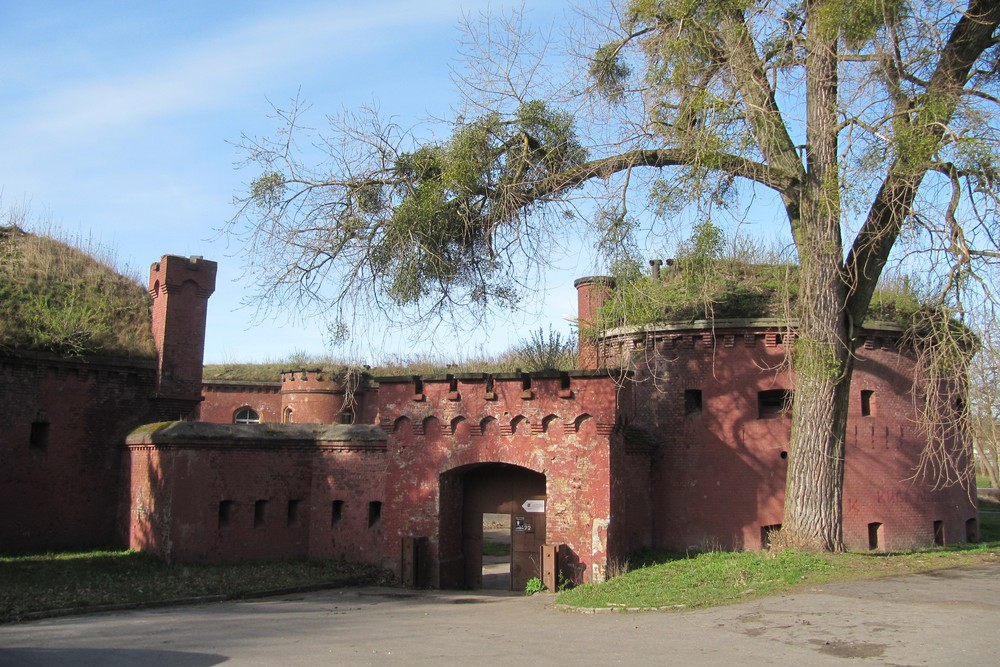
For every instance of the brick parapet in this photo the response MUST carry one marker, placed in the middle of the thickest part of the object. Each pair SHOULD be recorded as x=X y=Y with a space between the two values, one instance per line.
x=513 y=402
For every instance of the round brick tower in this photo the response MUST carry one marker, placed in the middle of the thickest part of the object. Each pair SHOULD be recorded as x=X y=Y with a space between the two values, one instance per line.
x=319 y=397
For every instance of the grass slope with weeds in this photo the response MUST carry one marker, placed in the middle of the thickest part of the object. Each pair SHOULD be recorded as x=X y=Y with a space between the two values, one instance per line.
x=672 y=581
x=59 y=298
x=50 y=582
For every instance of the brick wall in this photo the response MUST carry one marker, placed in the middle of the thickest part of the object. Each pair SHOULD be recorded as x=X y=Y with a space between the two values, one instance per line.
x=222 y=400
x=61 y=434
x=432 y=432
x=718 y=470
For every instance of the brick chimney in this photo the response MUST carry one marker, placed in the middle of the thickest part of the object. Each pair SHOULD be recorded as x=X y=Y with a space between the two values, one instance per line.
x=180 y=287
x=591 y=293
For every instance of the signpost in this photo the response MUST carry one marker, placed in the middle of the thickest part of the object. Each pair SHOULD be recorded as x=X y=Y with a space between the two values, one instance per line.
x=534 y=506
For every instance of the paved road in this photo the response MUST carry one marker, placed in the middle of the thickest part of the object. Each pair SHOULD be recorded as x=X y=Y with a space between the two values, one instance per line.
x=950 y=617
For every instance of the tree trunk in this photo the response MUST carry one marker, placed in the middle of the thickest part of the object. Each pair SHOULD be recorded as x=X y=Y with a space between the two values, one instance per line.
x=814 y=485
x=821 y=358
x=989 y=459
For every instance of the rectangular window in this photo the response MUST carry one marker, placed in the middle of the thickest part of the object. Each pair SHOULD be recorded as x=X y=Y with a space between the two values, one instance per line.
x=346 y=417
x=259 y=513
x=225 y=513
x=336 y=512
x=293 y=511
x=374 y=513
x=692 y=401
x=38 y=440
x=939 y=533
x=774 y=403
x=867 y=403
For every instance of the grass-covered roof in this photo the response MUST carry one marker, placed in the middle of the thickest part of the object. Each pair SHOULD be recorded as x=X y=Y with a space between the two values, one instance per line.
x=57 y=298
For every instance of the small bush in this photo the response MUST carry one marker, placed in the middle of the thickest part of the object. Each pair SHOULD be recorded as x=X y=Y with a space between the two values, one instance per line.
x=533 y=586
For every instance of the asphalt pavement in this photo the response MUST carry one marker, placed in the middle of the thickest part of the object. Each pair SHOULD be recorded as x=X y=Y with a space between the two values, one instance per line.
x=949 y=617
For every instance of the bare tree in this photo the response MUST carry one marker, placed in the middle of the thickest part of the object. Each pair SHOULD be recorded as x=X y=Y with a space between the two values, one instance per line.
x=873 y=120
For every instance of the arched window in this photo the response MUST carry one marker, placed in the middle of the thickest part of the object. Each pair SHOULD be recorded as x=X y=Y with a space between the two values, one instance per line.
x=246 y=416
x=286 y=416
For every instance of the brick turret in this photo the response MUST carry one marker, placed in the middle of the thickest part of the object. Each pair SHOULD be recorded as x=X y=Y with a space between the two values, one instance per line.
x=180 y=288
x=321 y=397
x=591 y=292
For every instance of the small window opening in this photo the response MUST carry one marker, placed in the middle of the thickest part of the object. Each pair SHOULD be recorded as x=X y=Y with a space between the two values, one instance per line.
x=374 y=513
x=246 y=416
x=293 y=511
x=525 y=382
x=779 y=339
x=972 y=530
x=418 y=385
x=347 y=417
x=259 y=513
x=225 y=513
x=452 y=383
x=766 y=533
x=336 y=512
x=783 y=455
x=867 y=403
x=773 y=403
x=692 y=401
x=489 y=384
x=286 y=416
x=38 y=438
x=939 y=533
x=874 y=533
x=564 y=380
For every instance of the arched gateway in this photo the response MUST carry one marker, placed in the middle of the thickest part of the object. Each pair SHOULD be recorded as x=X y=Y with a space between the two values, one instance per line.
x=508 y=501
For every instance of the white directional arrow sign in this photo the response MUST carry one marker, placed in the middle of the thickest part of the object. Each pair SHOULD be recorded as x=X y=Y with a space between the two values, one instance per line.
x=536 y=506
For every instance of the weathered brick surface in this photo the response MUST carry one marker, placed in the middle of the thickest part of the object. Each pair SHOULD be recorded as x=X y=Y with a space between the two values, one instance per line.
x=718 y=472
x=675 y=454
x=72 y=490
x=315 y=397
x=69 y=492
x=560 y=426
x=180 y=288
x=222 y=400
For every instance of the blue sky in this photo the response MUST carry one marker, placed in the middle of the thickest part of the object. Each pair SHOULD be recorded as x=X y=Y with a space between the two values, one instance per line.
x=119 y=120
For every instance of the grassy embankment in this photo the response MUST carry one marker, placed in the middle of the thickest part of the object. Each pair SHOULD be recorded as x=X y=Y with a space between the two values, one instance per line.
x=95 y=579
x=672 y=581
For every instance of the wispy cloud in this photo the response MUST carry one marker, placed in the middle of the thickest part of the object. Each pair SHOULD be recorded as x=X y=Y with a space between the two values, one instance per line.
x=210 y=74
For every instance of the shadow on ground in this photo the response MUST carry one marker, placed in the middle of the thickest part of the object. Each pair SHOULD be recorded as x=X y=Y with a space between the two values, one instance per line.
x=56 y=657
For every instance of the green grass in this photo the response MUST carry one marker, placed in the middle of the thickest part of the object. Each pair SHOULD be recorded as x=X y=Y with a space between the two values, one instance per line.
x=672 y=581
x=68 y=299
x=657 y=580
x=989 y=521
x=491 y=548
x=70 y=580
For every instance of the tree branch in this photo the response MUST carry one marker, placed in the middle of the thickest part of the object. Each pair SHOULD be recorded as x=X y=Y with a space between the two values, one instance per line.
x=969 y=39
x=604 y=168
